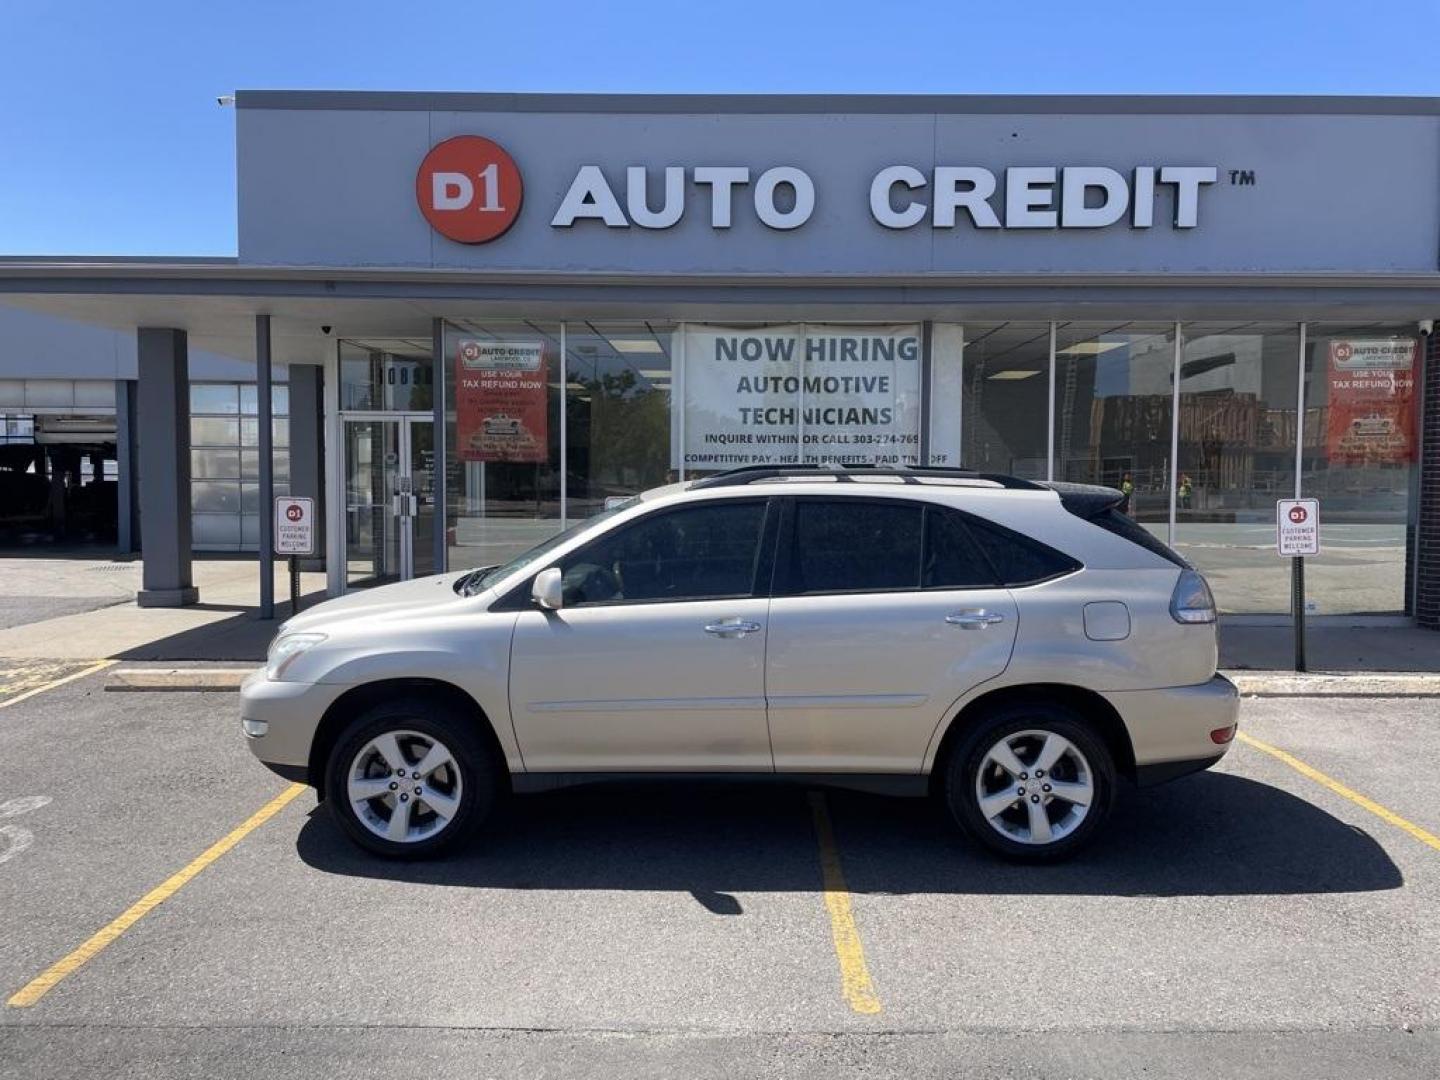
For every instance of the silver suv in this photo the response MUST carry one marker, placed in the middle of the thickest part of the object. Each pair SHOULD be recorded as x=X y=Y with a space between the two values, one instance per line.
x=1011 y=647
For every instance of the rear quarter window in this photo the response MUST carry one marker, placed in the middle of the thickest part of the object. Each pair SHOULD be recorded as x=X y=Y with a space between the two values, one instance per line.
x=1126 y=527
x=1019 y=560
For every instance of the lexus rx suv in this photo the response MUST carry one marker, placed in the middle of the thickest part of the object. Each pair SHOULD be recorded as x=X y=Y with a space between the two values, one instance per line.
x=1012 y=648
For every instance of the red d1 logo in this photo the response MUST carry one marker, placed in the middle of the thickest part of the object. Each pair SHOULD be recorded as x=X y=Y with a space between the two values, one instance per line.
x=469 y=189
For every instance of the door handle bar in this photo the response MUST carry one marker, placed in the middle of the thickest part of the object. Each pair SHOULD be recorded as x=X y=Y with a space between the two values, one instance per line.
x=974 y=620
x=731 y=629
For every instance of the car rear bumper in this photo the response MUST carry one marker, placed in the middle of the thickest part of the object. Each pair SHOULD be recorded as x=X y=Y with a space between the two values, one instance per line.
x=1178 y=729
x=279 y=720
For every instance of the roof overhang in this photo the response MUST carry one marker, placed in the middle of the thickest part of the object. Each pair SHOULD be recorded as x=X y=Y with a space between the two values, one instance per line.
x=215 y=300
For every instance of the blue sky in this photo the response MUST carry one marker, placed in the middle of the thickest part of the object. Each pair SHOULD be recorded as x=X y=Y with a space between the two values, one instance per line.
x=111 y=141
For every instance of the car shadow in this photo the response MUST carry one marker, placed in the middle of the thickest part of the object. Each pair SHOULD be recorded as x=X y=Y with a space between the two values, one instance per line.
x=1212 y=834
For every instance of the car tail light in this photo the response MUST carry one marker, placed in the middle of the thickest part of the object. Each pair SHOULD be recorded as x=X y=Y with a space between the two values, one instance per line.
x=1191 y=602
x=1222 y=735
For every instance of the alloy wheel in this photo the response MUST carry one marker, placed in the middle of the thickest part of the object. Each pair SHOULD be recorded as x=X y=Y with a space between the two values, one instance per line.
x=404 y=786
x=1034 y=787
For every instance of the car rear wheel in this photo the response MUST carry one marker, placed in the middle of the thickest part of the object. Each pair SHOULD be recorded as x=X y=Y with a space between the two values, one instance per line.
x=1031 y=782
x=411 y=778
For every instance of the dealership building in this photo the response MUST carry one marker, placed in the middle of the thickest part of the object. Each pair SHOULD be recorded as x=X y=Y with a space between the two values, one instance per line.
x=461 y=322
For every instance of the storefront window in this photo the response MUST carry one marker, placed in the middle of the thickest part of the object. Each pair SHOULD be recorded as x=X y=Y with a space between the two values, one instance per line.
x=617 y=411
x=1237 y=456
x=1361 y=447
x=1005 y=397
x=390 y=375
x=503 y=397
x=1113 y=412
x=812 y=393
x=224 y=464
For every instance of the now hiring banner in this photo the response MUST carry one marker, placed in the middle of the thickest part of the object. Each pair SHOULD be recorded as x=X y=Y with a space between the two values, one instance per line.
x=800 y=393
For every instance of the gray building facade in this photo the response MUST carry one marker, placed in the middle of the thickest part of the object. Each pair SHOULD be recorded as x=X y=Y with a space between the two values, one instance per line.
x=501 y=311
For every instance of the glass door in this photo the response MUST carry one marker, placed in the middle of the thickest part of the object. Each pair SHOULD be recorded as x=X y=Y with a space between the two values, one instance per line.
x=389 y=499
x=373 y=549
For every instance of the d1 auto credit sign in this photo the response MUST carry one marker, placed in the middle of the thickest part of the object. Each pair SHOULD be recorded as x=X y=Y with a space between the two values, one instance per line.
x=501 y=408
x=469 y=189
x=1297 y=527
x=294 y=526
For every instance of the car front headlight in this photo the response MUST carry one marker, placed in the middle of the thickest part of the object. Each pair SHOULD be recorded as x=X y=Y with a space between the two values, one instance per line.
x=284 y=650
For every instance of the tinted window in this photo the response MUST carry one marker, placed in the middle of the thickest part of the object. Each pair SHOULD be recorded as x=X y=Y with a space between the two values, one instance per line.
x=952 y=561
x=855 y=546
x=1114 y=521
x=1018 y=559
x=697 y=553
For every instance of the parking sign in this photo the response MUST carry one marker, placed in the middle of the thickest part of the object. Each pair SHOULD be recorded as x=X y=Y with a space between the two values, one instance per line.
x=1297 y=527
x=294 y=526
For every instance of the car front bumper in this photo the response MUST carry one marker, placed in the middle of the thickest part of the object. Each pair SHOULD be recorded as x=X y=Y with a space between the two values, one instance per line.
x=280 y=719
x=1178 y=729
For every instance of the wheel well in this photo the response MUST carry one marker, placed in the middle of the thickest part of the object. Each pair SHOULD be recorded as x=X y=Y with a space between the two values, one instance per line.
x=344 y=708
x=1100 y=714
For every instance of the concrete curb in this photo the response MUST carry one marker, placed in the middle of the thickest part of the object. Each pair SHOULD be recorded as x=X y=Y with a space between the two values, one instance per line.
x=177 y=679
x=1335 y=684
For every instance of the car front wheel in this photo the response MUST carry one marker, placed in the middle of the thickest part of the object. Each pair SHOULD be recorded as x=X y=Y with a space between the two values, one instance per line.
x=1032 y=782
x=410 y=778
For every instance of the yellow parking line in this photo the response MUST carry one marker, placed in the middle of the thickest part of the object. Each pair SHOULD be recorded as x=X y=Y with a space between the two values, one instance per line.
x=854 y=974
x=1423 y=835
x=43 y=983
x=97 y=666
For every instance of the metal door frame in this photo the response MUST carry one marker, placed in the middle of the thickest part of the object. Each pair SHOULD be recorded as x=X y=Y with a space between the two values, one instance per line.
x=404 y=472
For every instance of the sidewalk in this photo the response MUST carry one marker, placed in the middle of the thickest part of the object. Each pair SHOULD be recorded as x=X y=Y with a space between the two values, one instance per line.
x=39 y=598
x=1333 y=649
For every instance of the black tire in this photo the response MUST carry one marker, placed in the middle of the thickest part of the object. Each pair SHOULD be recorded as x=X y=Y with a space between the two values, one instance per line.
x=964 y=767
x=476 y=768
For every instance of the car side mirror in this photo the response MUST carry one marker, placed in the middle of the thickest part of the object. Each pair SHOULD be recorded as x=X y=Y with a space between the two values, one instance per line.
x=547 y=590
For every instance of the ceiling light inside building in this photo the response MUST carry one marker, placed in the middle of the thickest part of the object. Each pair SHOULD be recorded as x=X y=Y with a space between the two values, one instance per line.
x=1013 y=374
x=1090 y=348
x=654 y=373
x=636 y=345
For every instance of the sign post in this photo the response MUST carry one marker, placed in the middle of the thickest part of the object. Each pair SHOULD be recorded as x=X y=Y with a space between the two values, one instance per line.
x=294 y=536
x=1297 y=534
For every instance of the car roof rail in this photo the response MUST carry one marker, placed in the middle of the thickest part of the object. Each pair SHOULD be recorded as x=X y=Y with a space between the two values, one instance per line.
x=914 y=474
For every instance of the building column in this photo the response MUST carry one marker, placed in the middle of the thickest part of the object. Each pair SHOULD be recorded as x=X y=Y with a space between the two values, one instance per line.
x=127 y=498
x=265 y=419
x=307 y=448
x=1426 y=543
x=162 y=412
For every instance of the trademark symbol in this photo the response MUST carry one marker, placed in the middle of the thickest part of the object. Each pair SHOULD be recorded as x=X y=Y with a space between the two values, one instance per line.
x=1242 y=177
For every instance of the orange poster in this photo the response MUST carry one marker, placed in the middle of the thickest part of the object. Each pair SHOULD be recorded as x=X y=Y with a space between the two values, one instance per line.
x=501 y=409
x=1372 y=401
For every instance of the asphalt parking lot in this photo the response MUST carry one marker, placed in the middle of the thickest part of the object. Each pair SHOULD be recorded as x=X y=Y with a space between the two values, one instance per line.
x=1249 y=921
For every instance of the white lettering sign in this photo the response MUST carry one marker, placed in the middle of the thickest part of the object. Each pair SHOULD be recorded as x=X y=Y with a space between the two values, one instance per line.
x=783 y=197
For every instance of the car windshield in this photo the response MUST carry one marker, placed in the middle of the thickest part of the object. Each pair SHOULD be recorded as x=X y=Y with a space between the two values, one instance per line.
x=478 y=581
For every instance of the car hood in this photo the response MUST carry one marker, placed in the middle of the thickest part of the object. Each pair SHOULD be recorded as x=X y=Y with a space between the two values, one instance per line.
x=402 y=598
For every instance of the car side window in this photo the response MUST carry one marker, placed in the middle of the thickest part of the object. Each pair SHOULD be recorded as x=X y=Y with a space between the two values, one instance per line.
x=1018 y=559
x=855 y=546
x=694 y=553
x=952 y=558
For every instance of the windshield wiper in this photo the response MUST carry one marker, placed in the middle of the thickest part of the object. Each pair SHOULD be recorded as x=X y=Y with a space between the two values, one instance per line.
x=469 y=584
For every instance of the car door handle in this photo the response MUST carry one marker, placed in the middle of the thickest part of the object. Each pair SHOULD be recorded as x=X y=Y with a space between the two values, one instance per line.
x=974 y=620
x=731 y=628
